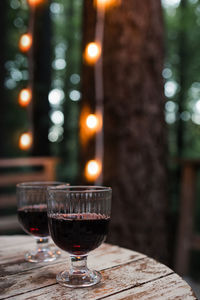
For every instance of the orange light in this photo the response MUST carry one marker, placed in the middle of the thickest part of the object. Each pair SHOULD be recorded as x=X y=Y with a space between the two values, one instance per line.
x=92 y=170
x=92 y=121
x=92 y=53
x=36 y=2
x=25 y=141
x=89 y=124
x=106 y=3
x=25 y=97
x=25 y=42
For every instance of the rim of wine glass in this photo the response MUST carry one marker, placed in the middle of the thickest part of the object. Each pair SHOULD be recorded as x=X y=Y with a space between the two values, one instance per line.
x=40 y=184
x=79 y=188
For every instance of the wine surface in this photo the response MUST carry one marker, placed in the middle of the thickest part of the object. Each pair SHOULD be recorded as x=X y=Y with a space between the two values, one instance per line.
x=78 y=234
x=34 y=220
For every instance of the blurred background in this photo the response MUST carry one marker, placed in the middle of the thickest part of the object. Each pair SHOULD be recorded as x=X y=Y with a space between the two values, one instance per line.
x=107 y=92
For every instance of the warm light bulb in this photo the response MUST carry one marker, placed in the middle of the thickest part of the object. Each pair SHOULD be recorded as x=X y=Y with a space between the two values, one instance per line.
x=24 y=97
x=92 y=122
x=25 y=42
x=93 y=169
x=25 y=141
x=35 y=2
x=106 y=3
x=92 y=53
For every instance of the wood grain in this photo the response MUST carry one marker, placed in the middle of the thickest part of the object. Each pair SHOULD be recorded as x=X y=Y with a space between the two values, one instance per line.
x=16 y=273
x=125 y=275
x=114 y=280
x=166 y=288
x=114 y=255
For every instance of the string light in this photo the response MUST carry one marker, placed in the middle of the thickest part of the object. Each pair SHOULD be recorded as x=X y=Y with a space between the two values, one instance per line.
x=25 y=96
x=35 y=2
x=92 y=121
x=92 y=52
x=107 y=3
x=25 y=141
x=25 y=42
x=92 y=170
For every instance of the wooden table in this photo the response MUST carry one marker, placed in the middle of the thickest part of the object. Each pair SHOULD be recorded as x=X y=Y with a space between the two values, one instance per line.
x=125 y=275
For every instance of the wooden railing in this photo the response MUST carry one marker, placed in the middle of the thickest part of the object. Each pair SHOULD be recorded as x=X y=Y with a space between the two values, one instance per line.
x=187 y=238
x=13 y=175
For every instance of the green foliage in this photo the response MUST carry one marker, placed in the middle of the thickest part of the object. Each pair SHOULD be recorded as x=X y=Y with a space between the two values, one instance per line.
x=16 y=66
x=183 y=61
x=182 y=70
x=66 y=18
x=67 y=32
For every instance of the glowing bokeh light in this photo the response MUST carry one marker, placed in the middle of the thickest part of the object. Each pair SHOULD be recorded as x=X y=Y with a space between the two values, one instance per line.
x=171 y=88
x=59 y=64
x=92 y=53
x=25 y=96
x=92 y=121
x=75 y=95
x=35 y=2
x=56 y=96
x=92 y=170
x=25 y=141
x=197 y=106
x=57 y=117
x=106 y=3
x=25 y=42
x=171 y=3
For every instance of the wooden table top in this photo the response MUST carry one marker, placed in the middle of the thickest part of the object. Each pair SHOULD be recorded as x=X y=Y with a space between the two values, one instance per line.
x=125 y=275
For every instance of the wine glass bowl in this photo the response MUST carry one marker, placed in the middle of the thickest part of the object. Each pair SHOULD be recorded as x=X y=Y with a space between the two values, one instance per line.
x=78 y=221
x=32 y=216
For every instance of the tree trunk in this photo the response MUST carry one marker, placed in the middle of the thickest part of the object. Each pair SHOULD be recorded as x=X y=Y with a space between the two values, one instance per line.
x=183 y=52
x=134 y=129
x=3 y=10
x=41 y=78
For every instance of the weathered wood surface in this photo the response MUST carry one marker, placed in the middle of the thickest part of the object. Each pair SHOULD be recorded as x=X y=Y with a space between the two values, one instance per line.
x=125 y=275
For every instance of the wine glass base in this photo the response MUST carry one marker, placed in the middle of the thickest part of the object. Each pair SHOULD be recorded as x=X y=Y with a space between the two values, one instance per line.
x=78 y=280
x=44 y=255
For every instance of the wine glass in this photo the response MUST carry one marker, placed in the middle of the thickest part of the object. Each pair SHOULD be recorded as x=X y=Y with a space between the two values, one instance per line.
x=32 y=215
x=78 y=222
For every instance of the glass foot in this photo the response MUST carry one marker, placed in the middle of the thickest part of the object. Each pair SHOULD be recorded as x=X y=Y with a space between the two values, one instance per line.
x=78 y=279
x=44 y=255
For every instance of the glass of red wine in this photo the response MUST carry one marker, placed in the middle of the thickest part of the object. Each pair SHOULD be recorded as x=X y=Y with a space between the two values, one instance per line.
x=32 y=215
x=78 y=222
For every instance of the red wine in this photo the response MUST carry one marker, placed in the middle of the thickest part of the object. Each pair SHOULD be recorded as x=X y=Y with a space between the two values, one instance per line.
x=78 y=233
x=34 y=220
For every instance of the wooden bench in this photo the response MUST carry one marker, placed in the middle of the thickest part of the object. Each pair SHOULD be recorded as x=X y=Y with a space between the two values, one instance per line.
x=187 y=238
x=13 y=171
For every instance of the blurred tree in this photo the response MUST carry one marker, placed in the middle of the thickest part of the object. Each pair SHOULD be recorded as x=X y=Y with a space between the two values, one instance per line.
x=183 y=64
x=135 y=145
x=134 y=128
x=182 y=76
x=14 y=76
x=40 y=77
x=69 y=145
x=65 y=93
x=182 y=89
x=3 y=13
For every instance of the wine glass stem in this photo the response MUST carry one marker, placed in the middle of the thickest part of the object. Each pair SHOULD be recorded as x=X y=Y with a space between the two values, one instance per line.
x=78 y=264
x=42 y=244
